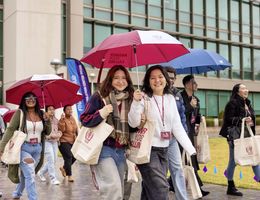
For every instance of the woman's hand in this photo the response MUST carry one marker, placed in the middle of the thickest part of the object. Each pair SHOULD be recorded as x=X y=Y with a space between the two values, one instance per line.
x=106 y=110
x=138 y=95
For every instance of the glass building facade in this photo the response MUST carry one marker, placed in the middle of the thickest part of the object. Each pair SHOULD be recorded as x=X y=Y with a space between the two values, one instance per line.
x=228 y=27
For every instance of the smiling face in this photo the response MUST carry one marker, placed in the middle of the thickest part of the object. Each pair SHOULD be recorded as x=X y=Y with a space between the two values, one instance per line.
x=157 y=82
x=243 y=91
x=30 y=101
x=119 y=81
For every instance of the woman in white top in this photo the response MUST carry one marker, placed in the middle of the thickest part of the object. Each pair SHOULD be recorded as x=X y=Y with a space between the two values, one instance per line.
x=163 y=110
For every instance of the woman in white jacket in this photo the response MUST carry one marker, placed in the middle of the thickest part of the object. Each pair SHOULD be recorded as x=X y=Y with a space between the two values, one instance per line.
x=163 y=111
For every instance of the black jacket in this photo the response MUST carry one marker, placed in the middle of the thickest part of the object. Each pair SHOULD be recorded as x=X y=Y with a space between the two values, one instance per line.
x=234 y=113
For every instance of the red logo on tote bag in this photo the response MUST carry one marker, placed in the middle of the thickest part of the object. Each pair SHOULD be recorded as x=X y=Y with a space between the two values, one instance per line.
x=88 y=136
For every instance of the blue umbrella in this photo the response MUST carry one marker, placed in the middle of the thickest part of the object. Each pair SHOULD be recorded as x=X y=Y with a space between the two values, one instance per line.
x=198 y=61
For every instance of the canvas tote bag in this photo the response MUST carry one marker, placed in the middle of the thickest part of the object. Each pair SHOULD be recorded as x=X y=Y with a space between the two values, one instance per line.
x=202 y=143
x=133 y=173
x=247 y=150
x=141 y=141
x=89 y=142
x=12 y=151
x=190 y=178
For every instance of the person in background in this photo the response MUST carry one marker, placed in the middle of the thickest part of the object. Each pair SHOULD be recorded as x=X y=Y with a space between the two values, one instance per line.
x=238 y=107
x=193 y=118
x=51 y=148
x=117 y=91
x=69 y=129
x=157 y=93
x=2 y=127
x=177 y=179
x=36 y=125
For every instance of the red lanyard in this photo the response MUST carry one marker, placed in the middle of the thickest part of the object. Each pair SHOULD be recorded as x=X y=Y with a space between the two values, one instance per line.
x=161 y=113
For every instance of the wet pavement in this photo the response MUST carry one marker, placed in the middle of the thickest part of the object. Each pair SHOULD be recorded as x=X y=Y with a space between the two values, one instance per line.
x=83 y=188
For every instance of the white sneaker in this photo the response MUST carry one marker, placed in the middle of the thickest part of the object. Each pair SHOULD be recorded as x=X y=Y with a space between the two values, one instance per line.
x=42 y=178
x=55 y=182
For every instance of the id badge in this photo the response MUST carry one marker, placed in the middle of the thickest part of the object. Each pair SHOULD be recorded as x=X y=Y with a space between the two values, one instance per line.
x=33 y=140
x=166 y=135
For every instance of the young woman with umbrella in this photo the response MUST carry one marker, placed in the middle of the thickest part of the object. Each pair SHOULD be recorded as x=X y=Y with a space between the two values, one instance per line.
x=117 y=91
x=36 y=125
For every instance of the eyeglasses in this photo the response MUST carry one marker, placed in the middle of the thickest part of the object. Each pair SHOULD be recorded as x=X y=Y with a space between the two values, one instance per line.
x=30 y=98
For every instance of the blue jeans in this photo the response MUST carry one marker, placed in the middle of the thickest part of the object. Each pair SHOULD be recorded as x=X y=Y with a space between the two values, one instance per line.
x=51 y=151
x=232 y=165
x=176 y=170
x=27 y=178
x=109 y=173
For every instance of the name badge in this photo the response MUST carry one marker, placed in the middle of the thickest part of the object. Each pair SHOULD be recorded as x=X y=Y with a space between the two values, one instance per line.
x=166 y=135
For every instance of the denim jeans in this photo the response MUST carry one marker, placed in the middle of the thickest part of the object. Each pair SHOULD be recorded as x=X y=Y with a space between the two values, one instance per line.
x=155 y=185
x=176 y=170
x=51 y=151
x=109 y=173
x=232 y=165
x=27 y=178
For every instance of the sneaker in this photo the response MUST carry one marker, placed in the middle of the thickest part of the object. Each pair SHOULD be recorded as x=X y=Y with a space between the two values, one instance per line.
x=42 y=178
x=55 y=182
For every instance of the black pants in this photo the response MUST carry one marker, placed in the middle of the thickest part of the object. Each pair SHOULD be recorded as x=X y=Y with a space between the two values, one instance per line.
x=65 y=149
x=154 y=184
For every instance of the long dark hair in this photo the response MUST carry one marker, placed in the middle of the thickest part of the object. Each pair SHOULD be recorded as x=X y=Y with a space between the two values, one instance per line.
x=235 y=90
x=24 y=108
x=146 y=88
x=106 y=86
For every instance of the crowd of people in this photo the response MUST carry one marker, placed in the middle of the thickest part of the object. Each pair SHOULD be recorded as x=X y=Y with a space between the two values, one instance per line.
x=176 y=116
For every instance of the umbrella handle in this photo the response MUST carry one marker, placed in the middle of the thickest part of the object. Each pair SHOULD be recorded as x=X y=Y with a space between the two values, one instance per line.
x=100 y=72
x=137 y=72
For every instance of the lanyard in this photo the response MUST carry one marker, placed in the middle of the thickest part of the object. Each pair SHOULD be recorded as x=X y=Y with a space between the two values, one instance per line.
x=161 y=113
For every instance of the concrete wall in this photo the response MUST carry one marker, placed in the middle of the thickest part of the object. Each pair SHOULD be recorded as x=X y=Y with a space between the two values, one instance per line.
x=32 y=37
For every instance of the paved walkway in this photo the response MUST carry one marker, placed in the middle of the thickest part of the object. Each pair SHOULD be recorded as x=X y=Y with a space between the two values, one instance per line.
x=83 y=189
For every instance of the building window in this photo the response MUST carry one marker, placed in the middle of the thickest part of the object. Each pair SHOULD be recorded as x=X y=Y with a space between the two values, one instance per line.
x=88 y=36
x=184 y=16
x=256 y=104
x=234 y=20
x=223 y=19
x=211 y=46
x=235 y=60
x=198 y=44
x=211 y=18
x=256 y=24
x=198 y=22
x=223 y=51
x=121 y=12
x=246 y=22
x=256 y=61
x=201 y=94
x=247 y=67
x=223 y=99
x=138 y=13
x=101 y=33
x=212 y=103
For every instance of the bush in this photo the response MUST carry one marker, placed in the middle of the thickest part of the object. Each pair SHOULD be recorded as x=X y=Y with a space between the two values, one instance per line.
x=257 y=120
x=210 y=122
x=221 y=114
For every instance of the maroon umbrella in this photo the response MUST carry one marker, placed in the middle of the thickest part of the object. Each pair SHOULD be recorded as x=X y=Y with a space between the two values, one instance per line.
x=134 y=49
x=8 y=116
x=50 y=89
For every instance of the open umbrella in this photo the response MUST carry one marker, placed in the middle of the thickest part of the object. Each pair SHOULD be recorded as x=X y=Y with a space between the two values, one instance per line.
x=50 y=89
x=133 y=49
x=8 y=116
x=198 y=61
x=3 y=109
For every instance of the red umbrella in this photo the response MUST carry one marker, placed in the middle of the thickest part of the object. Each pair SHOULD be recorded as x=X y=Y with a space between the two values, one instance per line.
x=50 y=89
x=3 y=109
x=8 y=116
x=133 y=49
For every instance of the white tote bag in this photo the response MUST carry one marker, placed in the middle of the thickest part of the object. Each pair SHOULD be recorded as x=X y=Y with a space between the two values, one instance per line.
x=89 y=142
x=133 y=173
x=247 y=150
x=12 y=151
x=202 y=143
x=190 y=178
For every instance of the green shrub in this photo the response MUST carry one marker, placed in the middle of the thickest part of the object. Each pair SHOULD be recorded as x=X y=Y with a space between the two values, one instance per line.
x=257 y=120
x=210 y=122
x=221 y=114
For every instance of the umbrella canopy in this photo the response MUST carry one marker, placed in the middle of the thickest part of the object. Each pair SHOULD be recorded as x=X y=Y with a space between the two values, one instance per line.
x=8 y=116
x=198 y=61
x=3 y=109
x=50 y=89
x=135 y=48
